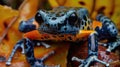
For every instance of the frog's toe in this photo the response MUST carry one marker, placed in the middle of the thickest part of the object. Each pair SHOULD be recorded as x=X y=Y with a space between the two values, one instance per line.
x=113 y=45
x=19 y=44
x=40 y=62
x=39 y=43
x=88 y=61
x=47 y=55
x=46 y=45
x=100 y=61
x=8 y=63
x=77 y=59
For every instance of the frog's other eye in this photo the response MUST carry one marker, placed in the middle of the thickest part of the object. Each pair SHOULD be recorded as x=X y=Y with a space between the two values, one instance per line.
x=73 y=17
x=38 y=18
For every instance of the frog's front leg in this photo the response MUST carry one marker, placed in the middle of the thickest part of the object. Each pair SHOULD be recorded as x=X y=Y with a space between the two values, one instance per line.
x=19 y=44
x=108 y=31
x=29 y=52
x=92 y=52
x=25 y=27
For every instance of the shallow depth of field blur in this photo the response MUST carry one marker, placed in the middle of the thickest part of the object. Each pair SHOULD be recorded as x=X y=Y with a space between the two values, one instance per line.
x=14 y=11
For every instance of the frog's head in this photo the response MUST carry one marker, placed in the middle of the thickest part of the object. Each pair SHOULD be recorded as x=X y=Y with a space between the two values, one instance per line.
x=58 y=21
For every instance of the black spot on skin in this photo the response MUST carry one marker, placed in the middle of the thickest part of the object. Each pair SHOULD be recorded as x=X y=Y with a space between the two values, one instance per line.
x=88 y=28
x=59 y=26
x=82 y=22
x=55 y=25
x=83 y=27
x=85 y=18
x=106 y=22
x=54 y=18
x=62 y=14
x=82 y=3
x=65 y=28
x=113 y=27
x=89 y=22
x=85 y=23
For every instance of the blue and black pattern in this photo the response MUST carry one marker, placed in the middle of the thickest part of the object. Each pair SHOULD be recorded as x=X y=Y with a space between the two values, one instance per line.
x=64 y=20
x=108 y=29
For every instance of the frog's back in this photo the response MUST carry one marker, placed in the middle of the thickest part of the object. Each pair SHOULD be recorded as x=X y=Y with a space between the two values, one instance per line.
x=82 y=13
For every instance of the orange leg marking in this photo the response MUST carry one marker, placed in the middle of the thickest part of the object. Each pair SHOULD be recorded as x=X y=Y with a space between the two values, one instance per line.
x=96 y=24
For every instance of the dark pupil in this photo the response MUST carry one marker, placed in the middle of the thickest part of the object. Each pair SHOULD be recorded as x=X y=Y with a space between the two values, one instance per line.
x=73 y=18
x=38 y=18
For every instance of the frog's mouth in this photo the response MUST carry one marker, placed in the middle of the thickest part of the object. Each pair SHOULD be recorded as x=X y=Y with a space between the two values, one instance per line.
x=62 y=30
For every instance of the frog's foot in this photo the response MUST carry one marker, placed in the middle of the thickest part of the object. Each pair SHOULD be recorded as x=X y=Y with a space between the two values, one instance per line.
x=88 y=61
x=39 y=62
x=19 y=44
x=111 y=45
x=47 y=55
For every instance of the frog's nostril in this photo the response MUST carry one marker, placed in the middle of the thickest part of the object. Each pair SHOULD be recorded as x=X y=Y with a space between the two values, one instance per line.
x=54 y=18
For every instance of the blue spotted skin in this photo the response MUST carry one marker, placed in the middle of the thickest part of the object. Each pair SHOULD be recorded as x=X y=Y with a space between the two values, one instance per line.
x=66 y=20
x=59 y=20
x=108 y=29
x=26 y=26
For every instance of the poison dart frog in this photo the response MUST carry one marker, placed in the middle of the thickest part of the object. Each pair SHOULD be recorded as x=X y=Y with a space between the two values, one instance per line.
x=65 y=24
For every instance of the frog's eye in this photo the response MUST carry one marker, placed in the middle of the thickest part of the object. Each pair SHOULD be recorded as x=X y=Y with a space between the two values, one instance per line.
x=38 y=18
x=73 y=17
